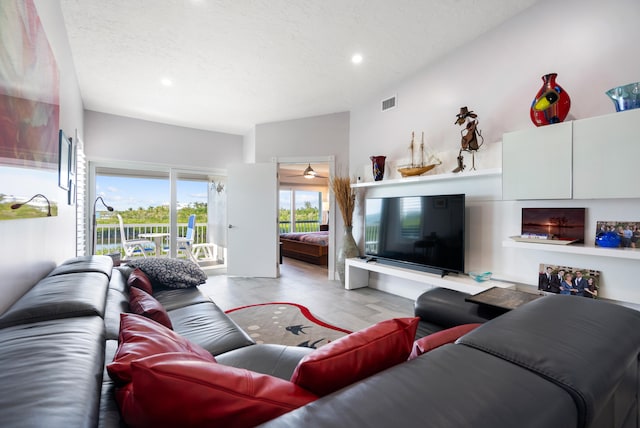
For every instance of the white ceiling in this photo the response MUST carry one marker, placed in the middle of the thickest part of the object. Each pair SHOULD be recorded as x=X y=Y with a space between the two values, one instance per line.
x=237 y=63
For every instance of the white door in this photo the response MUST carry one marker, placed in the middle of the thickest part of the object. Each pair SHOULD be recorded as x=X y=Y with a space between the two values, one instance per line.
x=252 y=213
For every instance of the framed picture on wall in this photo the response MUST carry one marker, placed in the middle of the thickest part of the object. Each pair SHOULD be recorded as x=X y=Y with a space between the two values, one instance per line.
x=64 y=162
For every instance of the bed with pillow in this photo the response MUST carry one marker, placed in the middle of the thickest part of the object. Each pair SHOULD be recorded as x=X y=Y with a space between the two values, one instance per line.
x=311 y=247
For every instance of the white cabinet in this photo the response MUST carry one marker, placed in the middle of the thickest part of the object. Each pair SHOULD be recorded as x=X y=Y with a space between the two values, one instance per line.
x=536 y=163
x=606 y=156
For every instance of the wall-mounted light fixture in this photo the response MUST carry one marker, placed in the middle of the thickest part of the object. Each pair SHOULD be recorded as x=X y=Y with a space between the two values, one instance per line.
x=217 y=187
x=94 y=232
x=37 y=195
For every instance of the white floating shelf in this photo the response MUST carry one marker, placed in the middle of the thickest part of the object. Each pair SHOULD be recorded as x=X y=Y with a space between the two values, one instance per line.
x=587 y=250
x=432 y=177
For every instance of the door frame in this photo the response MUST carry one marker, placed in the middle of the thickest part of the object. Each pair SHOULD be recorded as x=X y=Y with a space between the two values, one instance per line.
x=331 y=160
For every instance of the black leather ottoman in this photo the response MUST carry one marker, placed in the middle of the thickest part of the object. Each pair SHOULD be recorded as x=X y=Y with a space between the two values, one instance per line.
x=442 y=308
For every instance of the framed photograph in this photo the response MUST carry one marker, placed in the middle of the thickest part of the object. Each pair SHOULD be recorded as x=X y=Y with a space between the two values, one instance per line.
x=64 y=162
x=627 y=232
x=561 y=224
x=581 y=282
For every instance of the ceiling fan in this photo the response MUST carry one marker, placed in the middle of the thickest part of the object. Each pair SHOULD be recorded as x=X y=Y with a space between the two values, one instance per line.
x=309 y=173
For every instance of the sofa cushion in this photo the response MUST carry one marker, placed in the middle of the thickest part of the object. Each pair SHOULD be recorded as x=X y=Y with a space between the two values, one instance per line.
x=103 y=264
x=51 y=372
x=274 y=360
x=172 y=273
x=117 y=303
x=138 y=279
x=437 y=339
x=144 y=304
x=141 y=337
x=60 y=296
x=208 y=326
x=356 y=356
x=174 y=298
x=183 y=390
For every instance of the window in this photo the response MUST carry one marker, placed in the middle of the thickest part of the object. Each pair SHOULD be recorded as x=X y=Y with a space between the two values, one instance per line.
x=143 y=199
x=300 y=210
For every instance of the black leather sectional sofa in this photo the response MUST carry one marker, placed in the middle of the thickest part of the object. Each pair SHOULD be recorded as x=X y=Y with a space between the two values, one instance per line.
x=56 y=340
x=559 y=361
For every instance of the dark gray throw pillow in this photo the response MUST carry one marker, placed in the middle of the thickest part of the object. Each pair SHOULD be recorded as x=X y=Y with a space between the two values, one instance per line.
x=172 y=273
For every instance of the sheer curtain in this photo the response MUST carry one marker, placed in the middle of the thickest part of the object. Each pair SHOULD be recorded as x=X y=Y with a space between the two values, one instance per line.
x=217 y=217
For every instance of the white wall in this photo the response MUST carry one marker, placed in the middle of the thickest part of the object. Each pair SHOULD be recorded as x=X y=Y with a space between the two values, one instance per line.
x=308 y=138
x=29 y=248
x=324 y=135
x=590 y=44
x=110 y=137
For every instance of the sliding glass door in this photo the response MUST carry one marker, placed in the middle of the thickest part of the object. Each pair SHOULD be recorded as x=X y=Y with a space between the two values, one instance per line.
x=140 y=198
x=155 y=205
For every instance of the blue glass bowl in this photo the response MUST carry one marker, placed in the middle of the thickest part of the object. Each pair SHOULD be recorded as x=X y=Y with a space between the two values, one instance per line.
x=480 y=276
x=608 y=239
x=625 y=97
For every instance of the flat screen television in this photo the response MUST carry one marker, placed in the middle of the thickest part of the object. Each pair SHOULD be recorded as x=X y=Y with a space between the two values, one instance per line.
x=420 y=232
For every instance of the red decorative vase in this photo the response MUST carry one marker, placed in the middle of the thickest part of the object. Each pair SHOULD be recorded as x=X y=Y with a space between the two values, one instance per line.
x=377 y=163
x=551 y=104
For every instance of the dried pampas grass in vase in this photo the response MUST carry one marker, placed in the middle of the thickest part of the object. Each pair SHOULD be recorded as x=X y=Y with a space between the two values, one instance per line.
x=346 y=200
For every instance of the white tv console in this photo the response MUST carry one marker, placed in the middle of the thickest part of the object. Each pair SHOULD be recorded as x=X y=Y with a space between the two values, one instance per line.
x=357 y=276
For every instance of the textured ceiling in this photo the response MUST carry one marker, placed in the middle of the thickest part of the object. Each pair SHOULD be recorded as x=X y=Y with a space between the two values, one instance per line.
x=237 y=63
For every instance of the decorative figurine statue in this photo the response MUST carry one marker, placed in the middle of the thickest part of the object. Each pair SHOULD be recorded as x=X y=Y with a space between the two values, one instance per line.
x=472 y=138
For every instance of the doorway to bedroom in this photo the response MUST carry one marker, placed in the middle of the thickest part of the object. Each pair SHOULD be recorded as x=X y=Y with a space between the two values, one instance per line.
x=303 y=214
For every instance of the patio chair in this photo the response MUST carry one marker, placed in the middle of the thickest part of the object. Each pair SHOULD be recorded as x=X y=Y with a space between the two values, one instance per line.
x=185 y=243
x=187 y=246
x=134 y=247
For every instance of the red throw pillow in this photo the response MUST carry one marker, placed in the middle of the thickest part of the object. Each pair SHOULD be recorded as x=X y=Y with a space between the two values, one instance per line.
x=178 y=390
x=356 y=356
x=141 y=337
x=139 y=279
x=439 y=338
x=142 y=303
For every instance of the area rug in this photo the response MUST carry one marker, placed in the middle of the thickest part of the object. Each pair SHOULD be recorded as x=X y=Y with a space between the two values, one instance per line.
x=285 y=324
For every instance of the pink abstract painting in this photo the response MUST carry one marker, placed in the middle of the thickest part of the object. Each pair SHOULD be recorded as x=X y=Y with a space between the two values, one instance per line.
x=29 y=89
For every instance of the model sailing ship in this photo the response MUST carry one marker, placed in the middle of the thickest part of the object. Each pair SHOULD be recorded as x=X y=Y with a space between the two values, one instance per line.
x=418 y=168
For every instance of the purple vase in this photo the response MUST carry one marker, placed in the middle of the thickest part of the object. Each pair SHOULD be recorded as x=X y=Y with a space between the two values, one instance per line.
x=377 y=163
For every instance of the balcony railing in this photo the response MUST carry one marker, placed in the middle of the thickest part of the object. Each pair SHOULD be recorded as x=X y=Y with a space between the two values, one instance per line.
x=108 y=235
x=300 y=226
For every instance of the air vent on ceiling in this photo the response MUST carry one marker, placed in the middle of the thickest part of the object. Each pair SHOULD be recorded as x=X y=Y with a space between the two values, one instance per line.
x=389 y=103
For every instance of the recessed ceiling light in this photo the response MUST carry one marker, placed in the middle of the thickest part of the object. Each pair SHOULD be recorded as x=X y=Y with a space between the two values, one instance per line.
x=356 y=59
x=166 y=82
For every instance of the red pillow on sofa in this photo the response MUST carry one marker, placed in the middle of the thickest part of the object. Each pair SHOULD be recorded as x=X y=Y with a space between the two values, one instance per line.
x=182 y=390
x=139 y=279
x=142 y=303
x=141 y=337
x=439 y=338
x=356 y=356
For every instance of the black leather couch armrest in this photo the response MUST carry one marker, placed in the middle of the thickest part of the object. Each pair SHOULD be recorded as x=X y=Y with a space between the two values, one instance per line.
x=583 y=345
x=450 y=387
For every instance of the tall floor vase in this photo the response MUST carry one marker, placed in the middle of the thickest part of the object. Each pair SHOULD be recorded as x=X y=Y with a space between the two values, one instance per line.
x=347 y=250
